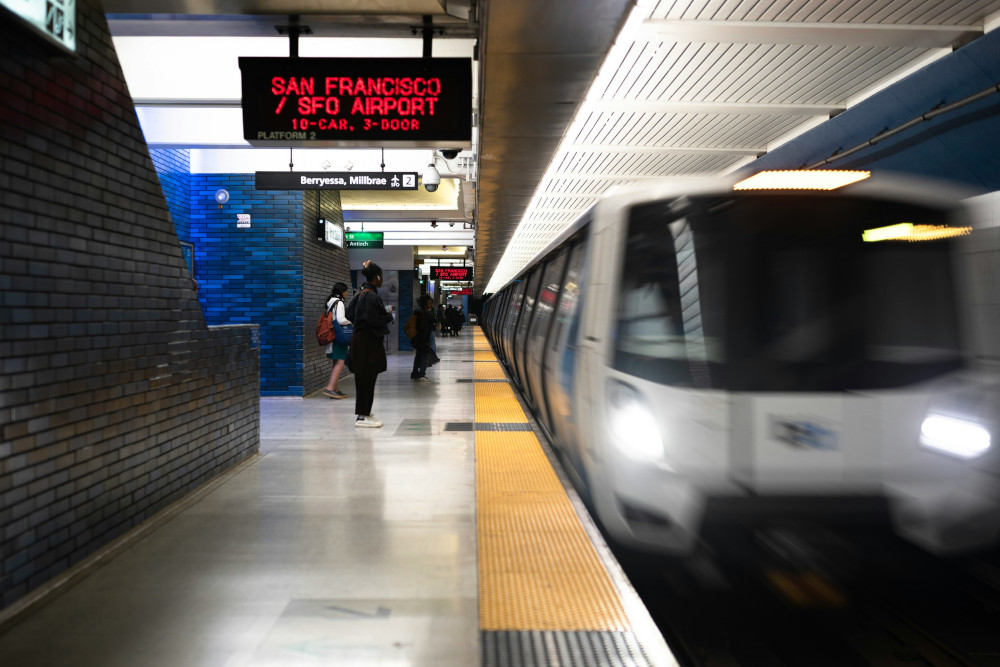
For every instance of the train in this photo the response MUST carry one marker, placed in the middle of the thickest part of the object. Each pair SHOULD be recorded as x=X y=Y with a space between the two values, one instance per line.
x=786 y=347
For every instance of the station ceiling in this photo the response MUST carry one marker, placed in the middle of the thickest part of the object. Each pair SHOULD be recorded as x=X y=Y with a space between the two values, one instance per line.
x=576 y=97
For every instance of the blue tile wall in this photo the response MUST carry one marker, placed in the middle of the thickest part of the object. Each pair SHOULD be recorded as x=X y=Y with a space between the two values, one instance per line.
x=253 y=275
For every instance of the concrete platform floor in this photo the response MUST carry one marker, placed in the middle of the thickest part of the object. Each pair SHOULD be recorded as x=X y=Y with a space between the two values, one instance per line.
x=336 y=546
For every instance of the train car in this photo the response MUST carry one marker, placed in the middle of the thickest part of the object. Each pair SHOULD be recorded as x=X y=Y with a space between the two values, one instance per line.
x=759 y=351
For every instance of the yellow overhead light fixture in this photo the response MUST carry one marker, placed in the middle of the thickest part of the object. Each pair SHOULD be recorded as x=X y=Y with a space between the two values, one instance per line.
x=811 y=179
x=907 y=231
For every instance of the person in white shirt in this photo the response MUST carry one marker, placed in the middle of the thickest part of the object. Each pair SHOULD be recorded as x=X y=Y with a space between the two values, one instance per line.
x=334 y=351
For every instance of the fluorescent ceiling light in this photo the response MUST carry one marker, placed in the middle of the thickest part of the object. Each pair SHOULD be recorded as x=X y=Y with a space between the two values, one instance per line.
x=814 y=179
x=907 y=231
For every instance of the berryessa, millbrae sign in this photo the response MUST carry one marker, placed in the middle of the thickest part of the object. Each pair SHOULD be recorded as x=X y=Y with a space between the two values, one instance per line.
x=344 y=180
x=402 y=102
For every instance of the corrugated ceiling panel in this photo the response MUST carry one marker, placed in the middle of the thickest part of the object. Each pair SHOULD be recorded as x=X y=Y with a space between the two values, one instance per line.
x=916 y=12
x=767 y=73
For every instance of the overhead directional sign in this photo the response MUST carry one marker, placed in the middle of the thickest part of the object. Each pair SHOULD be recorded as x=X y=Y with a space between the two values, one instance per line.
x=404 y=102
x=451 y=273
x=364 y=239
x=326 y=180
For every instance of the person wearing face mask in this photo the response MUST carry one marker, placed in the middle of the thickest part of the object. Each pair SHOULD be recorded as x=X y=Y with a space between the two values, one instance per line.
x=367 y=352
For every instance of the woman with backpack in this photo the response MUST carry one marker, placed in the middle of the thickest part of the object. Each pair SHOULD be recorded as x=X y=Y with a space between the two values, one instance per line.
x=367 y=354
x=335 y=351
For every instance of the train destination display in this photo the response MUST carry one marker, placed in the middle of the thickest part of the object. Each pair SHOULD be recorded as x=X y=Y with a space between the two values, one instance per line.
x=451 y=273
x=405 y=102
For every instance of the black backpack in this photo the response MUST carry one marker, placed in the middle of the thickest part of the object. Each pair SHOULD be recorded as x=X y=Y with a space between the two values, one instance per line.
x=350 y=312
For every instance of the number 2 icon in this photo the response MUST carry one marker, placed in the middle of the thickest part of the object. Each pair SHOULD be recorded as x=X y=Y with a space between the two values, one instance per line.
x=409 y=181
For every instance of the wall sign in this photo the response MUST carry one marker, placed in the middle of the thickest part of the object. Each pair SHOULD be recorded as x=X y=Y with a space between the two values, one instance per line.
x=363 y=239
x=331 y=232
x=54 y=19
x=327 y=180
x=243 y=220
x=451 y=273
x=403 y=102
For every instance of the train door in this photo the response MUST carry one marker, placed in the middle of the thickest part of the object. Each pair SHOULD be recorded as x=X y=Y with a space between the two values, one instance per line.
x=561 y=358
x=548 y=295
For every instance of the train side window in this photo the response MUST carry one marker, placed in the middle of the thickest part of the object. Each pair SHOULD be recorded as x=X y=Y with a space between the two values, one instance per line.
x=513 y=312
x=569 y=296
x=527 y=314
x=654 y=327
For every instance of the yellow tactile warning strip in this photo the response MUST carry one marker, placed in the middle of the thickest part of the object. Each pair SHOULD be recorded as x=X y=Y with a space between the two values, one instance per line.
x=538 y=569
x=484 y=355
x=496 y=403
x=489 y=372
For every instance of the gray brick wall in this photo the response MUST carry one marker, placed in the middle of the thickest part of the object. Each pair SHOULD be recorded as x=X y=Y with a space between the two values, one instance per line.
x=322 y=265
x=115 y=398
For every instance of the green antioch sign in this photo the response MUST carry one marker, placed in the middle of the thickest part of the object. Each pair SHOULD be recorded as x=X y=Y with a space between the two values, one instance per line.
x=363 y=239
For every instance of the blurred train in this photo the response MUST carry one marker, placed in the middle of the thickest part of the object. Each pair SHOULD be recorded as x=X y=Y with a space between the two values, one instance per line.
x=780 y=349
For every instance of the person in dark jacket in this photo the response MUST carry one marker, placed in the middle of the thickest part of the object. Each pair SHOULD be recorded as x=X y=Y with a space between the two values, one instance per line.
x=367 y=353
x=422 y=341
x=443 y=319
x=452 y=315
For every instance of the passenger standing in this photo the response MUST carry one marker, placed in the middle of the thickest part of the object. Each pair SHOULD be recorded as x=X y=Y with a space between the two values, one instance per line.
x=422 y=341
x=367 y=354
x=460 y=321
x=433 y=358
x=443 y=319
x=452 y=315
x=334 y=350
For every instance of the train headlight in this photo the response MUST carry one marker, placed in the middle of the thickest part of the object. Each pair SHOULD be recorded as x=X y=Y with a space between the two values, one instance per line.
x=633 y=425
x=951 y=435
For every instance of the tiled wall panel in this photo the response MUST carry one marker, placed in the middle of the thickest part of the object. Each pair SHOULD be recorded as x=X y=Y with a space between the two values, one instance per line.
x=253 y=274
x=115 y=398
x=322 y=266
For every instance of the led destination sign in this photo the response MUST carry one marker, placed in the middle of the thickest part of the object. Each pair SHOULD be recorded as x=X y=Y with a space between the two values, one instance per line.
x=328 y=180
x=451 y=273
x=409 y=102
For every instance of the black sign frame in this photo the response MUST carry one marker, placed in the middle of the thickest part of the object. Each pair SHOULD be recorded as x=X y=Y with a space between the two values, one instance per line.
x=399 y=102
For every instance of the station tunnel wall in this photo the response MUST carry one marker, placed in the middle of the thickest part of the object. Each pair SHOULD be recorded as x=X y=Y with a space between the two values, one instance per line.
x=116 y=398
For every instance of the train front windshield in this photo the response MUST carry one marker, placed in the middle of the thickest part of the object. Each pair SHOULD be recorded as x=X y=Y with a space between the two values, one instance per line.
x=765 y=292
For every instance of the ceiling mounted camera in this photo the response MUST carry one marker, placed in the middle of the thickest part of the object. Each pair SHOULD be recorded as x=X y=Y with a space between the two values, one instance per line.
x=449 y=153
x=431 y=178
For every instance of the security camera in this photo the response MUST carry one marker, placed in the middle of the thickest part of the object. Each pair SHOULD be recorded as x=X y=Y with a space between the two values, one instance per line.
x=451 y=224
x=431 y=178
x=449 y=153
